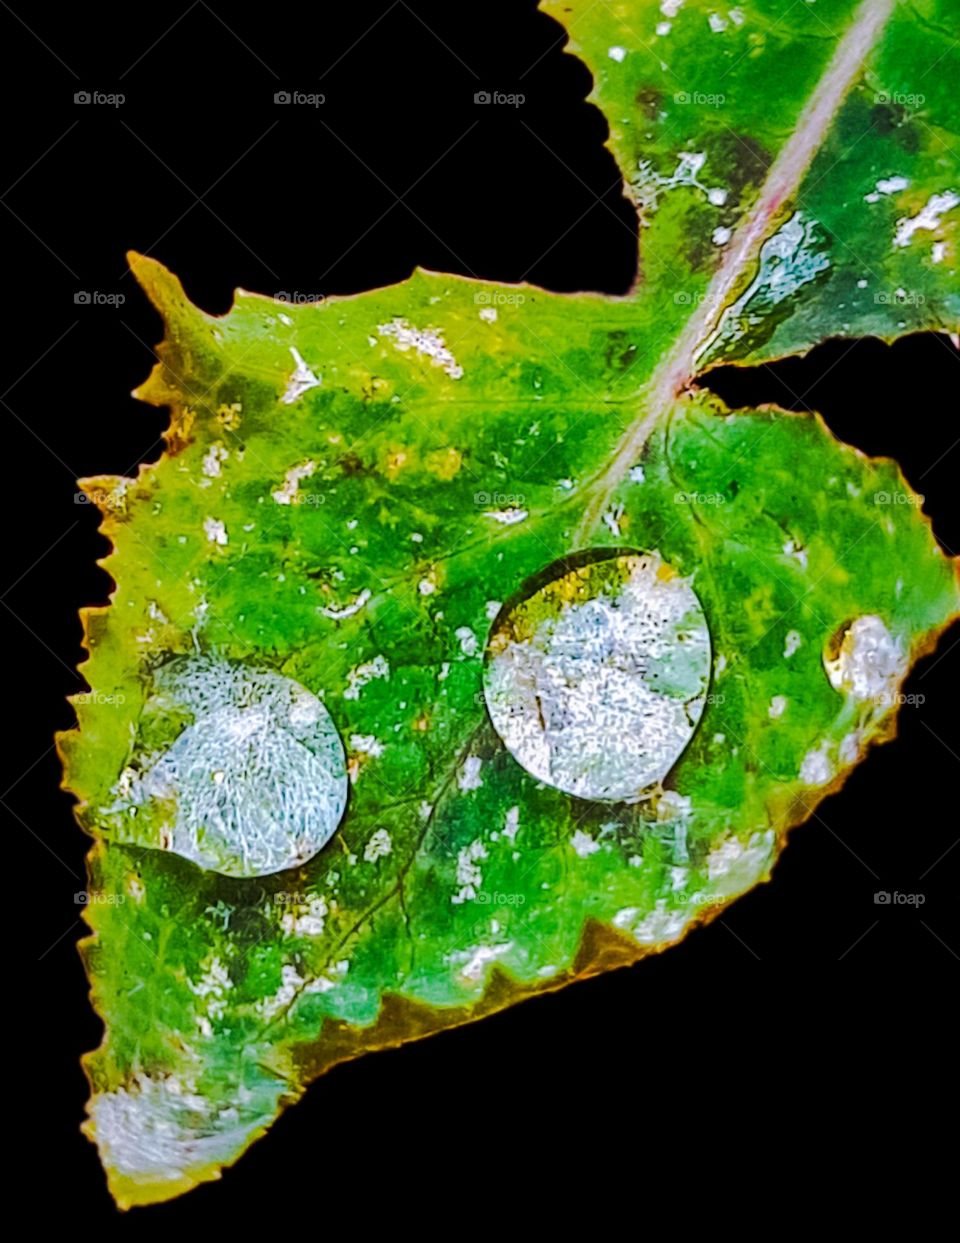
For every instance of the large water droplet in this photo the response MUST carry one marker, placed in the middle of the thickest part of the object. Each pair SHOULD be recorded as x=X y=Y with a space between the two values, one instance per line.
x=255 y=781
x=596 y=679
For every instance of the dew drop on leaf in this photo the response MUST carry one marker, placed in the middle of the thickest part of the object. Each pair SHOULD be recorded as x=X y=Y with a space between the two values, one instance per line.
x=250 y=774
x=596 y=678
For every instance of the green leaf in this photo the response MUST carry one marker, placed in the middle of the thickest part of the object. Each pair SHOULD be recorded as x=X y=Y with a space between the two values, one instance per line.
x=826 y=131
x=355 y=494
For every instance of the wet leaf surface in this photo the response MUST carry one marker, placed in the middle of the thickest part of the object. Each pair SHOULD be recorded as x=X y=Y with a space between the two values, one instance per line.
x=367 y=505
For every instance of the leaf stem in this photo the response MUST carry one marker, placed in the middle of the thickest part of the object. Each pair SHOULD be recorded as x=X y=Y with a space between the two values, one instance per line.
x=678 y=368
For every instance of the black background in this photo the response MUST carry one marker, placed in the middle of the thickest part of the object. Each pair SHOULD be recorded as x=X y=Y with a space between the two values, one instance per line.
x=805 y=1009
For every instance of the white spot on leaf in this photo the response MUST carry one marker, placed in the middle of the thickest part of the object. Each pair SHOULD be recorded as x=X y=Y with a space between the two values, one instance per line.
x=583 y=844
x=359 y=676
x=286 y=494
x=927 y=218
x=870 y=662
x=300 y=381
x=817 y=768
x=469 y=875
x=886 y=185
x=467 y=640
x=378 y=847
x=469 y=778
x=339 y=612
x=215 y=531
x=427 y=342
x=506 y=517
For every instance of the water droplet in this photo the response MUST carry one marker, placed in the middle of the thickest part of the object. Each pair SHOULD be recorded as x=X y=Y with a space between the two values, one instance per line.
x=596 y=678
x=255 y=780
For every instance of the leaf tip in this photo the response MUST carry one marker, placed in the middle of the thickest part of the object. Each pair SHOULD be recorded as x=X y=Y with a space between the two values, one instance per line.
x=159 y=284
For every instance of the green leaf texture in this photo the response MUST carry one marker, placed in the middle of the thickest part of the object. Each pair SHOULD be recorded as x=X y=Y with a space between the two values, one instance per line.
x=353 y=490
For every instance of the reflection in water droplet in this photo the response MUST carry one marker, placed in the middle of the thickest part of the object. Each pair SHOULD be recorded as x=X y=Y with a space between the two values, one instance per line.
x=255 y=782
x=596 y=681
